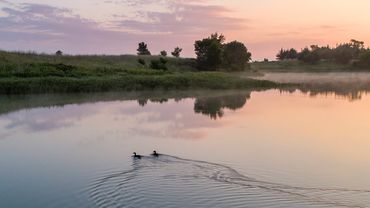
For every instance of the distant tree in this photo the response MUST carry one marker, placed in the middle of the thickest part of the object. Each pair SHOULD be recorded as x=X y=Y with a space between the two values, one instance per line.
x=141 y=61
x=365 y=59
x=59 y=53
x=163 y=53
x=235 y=56
x=325 y=53
x=344 y=53
x=357 y=44
x=209 y=52
x=176 y=52
x=265 y=60
x=143 y=49
x=309 y=56
x=287 y=54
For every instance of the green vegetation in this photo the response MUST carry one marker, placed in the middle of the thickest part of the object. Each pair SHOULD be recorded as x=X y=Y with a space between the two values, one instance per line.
x=143 y=50
x=176 y=52
x=235 y=56
x=37 y=73
x=212 y=53
x=163 y=53
x=352 y=53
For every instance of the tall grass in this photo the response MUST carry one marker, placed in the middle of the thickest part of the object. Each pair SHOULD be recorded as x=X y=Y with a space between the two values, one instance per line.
x=22 y=73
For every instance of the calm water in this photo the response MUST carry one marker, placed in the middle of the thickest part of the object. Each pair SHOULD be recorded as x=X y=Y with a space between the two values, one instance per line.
x=223 y=149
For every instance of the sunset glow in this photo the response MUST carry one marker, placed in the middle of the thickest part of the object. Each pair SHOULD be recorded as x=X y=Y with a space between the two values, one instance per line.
x=116 y=26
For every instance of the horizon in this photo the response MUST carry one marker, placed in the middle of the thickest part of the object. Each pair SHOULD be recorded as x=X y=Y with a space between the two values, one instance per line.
x=115 y=27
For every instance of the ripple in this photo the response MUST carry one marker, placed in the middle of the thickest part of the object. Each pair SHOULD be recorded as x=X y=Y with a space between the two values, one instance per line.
x=170 y=181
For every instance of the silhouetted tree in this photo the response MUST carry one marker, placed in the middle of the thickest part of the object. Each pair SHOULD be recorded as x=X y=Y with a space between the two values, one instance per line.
x=287 y=54
x=365 y=59
x=176 y=52
x=344 y=53
x=309 y=56
x=143 y=49
x=209 y=52
x=163 y=53
x=59 y=53
x=236 y=56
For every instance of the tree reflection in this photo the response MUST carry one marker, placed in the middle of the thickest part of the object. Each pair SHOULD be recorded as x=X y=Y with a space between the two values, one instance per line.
x=214 y=106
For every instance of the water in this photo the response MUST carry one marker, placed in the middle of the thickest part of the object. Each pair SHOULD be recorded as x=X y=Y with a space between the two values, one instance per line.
x=275 y=148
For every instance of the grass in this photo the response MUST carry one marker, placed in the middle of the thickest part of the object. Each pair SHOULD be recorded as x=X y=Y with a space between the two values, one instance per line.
x=23 y=73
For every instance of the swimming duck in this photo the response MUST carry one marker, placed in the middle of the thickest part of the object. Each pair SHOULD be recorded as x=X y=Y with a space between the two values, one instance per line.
x=155 y=154
x=136 y=156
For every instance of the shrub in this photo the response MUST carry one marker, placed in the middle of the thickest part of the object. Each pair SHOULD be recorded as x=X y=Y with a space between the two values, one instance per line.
x=59 y=53
x=163 y=53
x=141 y=61
x=176 y=52
x=236 y=56
x=159 y=64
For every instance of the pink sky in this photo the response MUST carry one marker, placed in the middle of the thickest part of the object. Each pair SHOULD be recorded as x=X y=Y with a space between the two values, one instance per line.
x=116 y=26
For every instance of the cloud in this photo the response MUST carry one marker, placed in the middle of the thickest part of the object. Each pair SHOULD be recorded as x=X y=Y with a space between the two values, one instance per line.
x=48 y=28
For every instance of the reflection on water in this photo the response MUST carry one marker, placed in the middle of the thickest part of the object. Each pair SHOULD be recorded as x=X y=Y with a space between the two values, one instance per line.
x=267 y=149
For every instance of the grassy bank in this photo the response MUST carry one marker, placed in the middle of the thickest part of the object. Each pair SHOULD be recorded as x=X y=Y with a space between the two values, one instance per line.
x=22 y=73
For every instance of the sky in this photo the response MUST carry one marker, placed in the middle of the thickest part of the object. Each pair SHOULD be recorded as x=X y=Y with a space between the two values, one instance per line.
x=117 y=26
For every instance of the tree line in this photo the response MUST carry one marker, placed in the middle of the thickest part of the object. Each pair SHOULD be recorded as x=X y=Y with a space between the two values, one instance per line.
x=212 y=53
x=353 y=52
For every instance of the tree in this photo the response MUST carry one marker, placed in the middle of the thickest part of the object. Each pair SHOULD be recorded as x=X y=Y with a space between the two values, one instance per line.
x=287 y=54
x=143 y=49
x=344 y=53
x=59 y=53
x=176 y=52
x=365 y=59
x=209 y=52
x=236 y=56
x=163 y=53
x=309 y=56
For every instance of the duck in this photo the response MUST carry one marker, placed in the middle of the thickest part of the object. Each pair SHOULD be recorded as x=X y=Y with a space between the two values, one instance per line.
x=136 y=156
x=155 y=154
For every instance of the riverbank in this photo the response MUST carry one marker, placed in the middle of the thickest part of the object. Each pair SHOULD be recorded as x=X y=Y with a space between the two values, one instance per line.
x=28 y=73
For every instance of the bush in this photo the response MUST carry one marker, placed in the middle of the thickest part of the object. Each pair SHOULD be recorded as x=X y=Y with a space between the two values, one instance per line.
x=176 y=52
x=159 y=64
x=141 y=61
x=236 y=56
x=163 y=53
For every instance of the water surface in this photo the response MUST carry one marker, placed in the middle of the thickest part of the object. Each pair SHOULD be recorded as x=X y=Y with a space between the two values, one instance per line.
x=223 y=149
